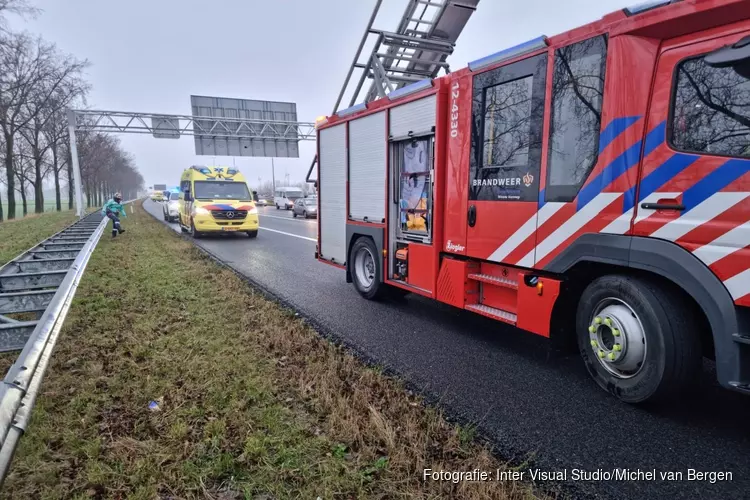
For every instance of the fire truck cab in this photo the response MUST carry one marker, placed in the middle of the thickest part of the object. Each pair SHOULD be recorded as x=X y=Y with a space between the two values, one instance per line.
x=595 y=184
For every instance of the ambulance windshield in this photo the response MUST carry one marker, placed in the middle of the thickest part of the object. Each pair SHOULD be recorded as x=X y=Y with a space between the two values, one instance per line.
x=224 y=190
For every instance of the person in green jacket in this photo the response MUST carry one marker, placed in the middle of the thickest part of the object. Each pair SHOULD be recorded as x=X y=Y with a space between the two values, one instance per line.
x=113 y=209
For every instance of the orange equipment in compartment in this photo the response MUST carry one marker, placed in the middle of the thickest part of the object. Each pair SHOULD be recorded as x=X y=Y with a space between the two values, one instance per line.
x=402 y=267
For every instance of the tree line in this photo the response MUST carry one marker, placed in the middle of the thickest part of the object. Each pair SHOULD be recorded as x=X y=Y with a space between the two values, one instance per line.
x=38 y=83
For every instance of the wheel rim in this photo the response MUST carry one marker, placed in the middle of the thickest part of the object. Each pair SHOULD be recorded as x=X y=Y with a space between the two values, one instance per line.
x=617 y=338
x=364 y=267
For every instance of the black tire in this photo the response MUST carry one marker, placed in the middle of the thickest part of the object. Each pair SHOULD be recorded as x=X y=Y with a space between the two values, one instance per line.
x=304 y=214
x=195 y=234
x=672 y=358
x=294 y=214
x=375 y=289
x=253 y=234
x=278 y=207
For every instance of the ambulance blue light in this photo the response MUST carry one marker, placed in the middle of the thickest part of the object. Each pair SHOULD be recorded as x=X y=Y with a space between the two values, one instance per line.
x=410 y=89
x=231 y=171
x=350 y=111
x=644 y=6
x=504 y=55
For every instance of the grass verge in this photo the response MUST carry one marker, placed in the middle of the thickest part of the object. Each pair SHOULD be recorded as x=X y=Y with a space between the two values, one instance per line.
x=250 y=402
x=18 y=235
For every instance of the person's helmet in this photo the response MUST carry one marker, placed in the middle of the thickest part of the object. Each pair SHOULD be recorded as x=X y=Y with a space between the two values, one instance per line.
x=118 y=197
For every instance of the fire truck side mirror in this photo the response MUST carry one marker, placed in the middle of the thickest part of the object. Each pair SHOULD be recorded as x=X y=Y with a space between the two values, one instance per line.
x=736 y=56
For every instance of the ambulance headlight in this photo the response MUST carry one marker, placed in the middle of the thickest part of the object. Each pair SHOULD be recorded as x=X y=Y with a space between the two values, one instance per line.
x=201 y=211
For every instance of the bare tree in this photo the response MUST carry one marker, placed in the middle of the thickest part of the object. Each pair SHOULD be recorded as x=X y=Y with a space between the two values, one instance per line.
x=18 y=7
x=31 y=71
x=47 y=109
x=22 y=169
x=712 y=110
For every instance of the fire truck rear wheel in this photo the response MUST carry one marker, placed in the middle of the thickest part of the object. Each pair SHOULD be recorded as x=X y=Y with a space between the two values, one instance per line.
x=638 y=338
x=365 y=269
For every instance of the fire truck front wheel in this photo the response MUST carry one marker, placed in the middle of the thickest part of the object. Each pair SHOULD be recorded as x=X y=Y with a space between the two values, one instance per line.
x=638 y=338
x=365 y=268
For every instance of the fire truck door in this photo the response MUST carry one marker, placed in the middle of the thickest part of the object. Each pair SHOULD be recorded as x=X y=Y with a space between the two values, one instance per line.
x=506 y=146
x=695 y=183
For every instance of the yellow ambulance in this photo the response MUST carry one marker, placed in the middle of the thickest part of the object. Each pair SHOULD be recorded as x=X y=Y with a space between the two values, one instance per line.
x=216 y=199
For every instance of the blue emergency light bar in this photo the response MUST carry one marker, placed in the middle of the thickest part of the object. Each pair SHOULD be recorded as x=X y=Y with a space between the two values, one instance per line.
x=350 y=111
x=203 y=170
x=412 y=88
x=504 y=55
x=644 y=6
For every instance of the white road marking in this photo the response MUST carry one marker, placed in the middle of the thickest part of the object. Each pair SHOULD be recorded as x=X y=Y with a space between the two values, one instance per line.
x=288 y=234
x=289 y=218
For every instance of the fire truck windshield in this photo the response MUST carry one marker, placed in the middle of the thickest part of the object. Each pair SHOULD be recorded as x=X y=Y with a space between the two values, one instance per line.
x=224 y=190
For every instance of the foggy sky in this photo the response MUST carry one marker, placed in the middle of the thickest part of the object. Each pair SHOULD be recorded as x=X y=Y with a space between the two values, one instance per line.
x=150 y=56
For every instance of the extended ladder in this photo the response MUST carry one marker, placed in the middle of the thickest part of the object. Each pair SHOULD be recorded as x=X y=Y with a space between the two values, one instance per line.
x=416 y=50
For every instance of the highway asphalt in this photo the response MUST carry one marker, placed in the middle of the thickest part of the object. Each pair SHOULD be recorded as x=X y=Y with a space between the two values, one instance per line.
x=535 y=404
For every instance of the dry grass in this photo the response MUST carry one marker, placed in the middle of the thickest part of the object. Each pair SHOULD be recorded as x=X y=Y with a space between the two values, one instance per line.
x=253 y=402
x=21 y=234
x=18 y=235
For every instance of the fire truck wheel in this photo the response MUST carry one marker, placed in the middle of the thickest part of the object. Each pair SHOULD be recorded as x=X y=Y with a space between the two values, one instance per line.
x=366 y=269
x=638 y=338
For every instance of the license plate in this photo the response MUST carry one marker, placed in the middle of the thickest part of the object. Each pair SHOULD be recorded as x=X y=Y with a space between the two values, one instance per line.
x=229 y=229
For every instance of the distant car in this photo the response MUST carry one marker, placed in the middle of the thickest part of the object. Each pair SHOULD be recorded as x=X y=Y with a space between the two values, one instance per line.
x=171 y=208
x=285 y=197
x=261 y=202
x=305 y=207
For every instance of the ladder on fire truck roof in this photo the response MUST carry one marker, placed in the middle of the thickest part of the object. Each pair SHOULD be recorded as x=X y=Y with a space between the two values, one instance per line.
x=417 y=50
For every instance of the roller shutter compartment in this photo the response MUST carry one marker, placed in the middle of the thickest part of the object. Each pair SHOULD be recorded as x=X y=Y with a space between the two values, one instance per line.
x=367 y=168
x=332 y=193
x=417 y=117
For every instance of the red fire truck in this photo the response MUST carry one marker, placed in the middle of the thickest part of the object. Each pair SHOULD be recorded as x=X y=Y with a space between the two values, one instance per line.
x=595 y=184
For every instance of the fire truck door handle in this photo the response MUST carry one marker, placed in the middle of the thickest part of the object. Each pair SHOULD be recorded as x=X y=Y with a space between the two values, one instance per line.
x=472 y=215
x=662 y=206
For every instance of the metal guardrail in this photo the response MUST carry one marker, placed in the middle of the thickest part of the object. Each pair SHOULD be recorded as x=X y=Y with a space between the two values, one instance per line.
x=41 y=283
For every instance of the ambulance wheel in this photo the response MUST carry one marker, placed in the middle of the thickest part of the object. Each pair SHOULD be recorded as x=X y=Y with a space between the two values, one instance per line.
x=365 y=269
x=253 y=234
x=195 y=234
x=638 y=338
